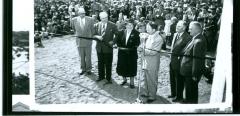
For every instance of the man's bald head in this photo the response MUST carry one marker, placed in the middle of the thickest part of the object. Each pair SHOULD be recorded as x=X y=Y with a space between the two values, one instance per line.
x=181 y=26
x=195 y=28
x=104 y=17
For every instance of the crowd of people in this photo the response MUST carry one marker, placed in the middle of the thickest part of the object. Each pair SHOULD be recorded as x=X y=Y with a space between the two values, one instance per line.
x=186 y=27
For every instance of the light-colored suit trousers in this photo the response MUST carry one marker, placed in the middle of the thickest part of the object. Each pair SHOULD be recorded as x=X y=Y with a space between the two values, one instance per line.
x=151 y=76
x=85 y=58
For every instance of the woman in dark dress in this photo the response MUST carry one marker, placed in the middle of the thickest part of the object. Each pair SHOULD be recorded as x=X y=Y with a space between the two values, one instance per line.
x=127 y=41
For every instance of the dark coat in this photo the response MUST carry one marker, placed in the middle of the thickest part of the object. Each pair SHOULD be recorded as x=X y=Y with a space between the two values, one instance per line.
x=111 y=30
x=127 y=59
x=194 y=67
x=177 y=48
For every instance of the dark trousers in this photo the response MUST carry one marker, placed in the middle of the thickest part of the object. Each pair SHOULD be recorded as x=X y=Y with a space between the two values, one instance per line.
x=105 y=65
x=177 y=83
x=172 y=82
x=191 y=87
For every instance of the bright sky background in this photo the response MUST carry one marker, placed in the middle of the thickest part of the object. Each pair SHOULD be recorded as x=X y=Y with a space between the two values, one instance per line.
x=22 y=15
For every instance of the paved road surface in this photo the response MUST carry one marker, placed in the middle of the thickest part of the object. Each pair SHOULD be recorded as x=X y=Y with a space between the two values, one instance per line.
x=57 y=80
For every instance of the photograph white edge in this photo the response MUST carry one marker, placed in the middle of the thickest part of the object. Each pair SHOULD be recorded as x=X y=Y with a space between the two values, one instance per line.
x=224 y=38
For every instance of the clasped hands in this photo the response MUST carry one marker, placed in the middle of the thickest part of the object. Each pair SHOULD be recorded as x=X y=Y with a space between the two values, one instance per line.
x=101 y=39
x=98 y=37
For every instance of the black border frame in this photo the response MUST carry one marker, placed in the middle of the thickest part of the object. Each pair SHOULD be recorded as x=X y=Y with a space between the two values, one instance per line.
x=236 y=57
x=7 y=56
x=7 y=66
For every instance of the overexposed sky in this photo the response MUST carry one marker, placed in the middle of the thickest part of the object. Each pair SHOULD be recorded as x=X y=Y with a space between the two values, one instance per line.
x=22 y=15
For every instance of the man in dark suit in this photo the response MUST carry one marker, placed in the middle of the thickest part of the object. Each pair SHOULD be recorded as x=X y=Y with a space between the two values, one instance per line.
x=84 y=26
x=180 y=40
x=192 y=68
x=105 y=31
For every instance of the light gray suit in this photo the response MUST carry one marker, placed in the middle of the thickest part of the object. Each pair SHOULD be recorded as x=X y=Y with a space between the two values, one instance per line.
x=84 y=46
x=151 y=66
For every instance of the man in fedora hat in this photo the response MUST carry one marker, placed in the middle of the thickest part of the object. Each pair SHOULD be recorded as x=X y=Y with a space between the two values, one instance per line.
x=84 y=27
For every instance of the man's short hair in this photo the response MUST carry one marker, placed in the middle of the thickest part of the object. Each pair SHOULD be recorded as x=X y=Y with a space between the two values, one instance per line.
x=153 y=25
x=81 y=10
x=103 y=15
x=197 y=24
x=174 y=19
x=184 y=23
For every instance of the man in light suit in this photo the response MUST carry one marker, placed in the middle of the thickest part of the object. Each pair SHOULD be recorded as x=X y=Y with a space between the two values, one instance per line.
x=192 y=68
x=84 y=27
x=151 y=62
x=105 y=31
x=180 y=40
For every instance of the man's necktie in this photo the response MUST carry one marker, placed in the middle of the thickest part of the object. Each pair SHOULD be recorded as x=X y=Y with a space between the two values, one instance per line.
x=103 y=29
x=177 y=37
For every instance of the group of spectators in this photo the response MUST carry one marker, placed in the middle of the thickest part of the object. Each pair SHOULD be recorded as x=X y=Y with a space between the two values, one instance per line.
x=54 y=16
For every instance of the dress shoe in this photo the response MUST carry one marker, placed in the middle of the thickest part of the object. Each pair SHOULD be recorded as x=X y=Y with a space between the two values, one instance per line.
x=81 y=73
x=143 y=95
x=177 y=100
x=108 y=82
x=123 y=83
x=132 y=86
x=150 y=100
x=89 y=73
x=171 y=96
x=184 y=101
x=99 y=79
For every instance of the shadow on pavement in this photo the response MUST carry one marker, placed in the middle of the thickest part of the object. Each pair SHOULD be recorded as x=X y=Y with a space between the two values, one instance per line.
x=124 y=92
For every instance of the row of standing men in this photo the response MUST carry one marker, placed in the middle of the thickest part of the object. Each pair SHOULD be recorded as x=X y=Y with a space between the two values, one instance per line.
x=184 y=71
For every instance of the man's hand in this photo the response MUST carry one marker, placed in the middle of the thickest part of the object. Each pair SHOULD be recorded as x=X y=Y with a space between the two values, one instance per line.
x=114 y=46
x=110 y=43
x=195 y=79
x=140 y=49
x=98 y=37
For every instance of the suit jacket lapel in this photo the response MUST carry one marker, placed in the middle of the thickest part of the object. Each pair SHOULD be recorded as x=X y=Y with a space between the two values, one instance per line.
x=174 y=39
x=107 y=27
x=179 y=39
x=124 y=37
x=191 y=43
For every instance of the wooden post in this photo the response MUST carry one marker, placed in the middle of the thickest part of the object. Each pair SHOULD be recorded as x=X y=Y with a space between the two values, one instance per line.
x=223 y=64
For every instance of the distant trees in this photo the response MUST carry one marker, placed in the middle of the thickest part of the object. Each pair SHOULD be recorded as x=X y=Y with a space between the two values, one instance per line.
x=20 y=38
x=20 y=82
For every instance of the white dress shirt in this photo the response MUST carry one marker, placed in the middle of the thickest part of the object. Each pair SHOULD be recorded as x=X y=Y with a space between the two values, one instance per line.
x=82 y=22
x=127 y=35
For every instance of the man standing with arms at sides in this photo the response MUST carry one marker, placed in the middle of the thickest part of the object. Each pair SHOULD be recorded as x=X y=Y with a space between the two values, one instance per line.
x=84 y=27
x=192 y=67
x=105 y=31
x=180 y=40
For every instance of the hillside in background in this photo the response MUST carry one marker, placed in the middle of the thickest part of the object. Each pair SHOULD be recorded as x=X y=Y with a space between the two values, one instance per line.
x=20 y=38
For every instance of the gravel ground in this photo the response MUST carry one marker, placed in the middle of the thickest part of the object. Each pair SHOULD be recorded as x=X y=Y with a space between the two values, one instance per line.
x=57 y=80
